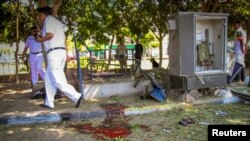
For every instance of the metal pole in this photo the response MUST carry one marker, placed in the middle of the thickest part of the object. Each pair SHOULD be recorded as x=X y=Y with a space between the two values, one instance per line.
x=79 y=72
x=91 y=62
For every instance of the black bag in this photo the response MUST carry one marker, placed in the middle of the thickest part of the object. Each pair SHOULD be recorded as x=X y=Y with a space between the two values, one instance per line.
x=41 y=94
x=116 y=56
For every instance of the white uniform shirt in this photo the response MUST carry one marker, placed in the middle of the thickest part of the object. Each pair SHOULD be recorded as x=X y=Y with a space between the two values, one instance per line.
x=52 y=25
x=33 y=45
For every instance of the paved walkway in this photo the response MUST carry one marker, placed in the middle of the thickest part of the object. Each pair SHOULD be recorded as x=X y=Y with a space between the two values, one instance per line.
x=17 y=107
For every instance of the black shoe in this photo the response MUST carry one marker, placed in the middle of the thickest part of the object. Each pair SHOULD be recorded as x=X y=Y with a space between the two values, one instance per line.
x=45 y=106
x=37 y=95
x=79 y=102
x=58 y=96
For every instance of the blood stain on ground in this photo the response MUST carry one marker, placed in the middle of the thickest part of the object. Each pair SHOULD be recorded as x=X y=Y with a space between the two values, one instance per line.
x=114 y=126
x=102 y=132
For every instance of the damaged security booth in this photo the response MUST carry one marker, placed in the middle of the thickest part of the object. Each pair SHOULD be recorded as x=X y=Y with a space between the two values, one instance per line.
x=197 y=51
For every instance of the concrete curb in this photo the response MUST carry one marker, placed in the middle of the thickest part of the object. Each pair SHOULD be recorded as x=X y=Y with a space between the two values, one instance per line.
x=98 y=91
x=65 y=115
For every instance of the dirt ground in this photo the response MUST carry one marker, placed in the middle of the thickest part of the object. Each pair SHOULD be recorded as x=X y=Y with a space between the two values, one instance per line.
x=16 y=98
x=160 y=126
x=151 y=127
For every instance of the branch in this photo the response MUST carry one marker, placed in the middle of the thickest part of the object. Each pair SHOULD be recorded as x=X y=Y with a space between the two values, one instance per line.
x=42 y=3
x=155 y=34
x=32 y=10
x=203 y=6
x=214 y=5
x=56 y=7
x=164 y=34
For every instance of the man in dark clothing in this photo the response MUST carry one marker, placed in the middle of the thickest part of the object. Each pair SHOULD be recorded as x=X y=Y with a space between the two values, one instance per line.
x=138 y=51
x=138 y=56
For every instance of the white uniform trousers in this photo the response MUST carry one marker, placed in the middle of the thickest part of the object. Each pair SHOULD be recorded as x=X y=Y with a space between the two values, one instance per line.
x=55 y=78
x=36 y=67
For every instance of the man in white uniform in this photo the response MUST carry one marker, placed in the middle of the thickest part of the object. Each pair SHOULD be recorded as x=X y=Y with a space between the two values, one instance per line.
x=35 y=56
x=53 y=37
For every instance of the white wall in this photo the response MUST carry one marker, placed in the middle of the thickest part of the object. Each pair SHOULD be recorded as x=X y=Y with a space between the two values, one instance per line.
x=7 y=57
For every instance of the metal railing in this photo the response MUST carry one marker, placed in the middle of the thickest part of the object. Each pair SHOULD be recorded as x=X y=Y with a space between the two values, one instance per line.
x=9 y=67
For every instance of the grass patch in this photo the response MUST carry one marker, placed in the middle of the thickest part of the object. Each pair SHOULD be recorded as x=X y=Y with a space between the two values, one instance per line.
x=165 y=125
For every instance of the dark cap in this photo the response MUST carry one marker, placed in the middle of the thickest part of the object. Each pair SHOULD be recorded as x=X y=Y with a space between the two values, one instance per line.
x=45 y=10
x=238 y=22
x=239 y=33
x=34 y=28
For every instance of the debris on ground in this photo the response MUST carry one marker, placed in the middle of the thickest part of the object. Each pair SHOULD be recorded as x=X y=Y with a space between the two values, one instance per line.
x=186 y=98
x=221 y=113
x=204 y=123
x=168 y=130
x=246 y=102
x=241 y=91
x=158 y=93
x=186 y=121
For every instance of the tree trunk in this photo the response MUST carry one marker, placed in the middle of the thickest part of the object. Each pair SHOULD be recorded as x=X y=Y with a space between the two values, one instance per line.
x=160 y=38
x=203 y=6
x=42 y=3
x=17 y=40
x=32 y=10
x=171 y=7
x=110 y=51
x=56 y=7
x=248 y=30
x=160 y=49
x=214 y=5
x=209 y=6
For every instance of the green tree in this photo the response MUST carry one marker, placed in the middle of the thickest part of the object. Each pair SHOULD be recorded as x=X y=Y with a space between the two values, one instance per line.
x=238 y=10
x=155 y=14
x=8 y=12
x=14 y=26
x=103 y=20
